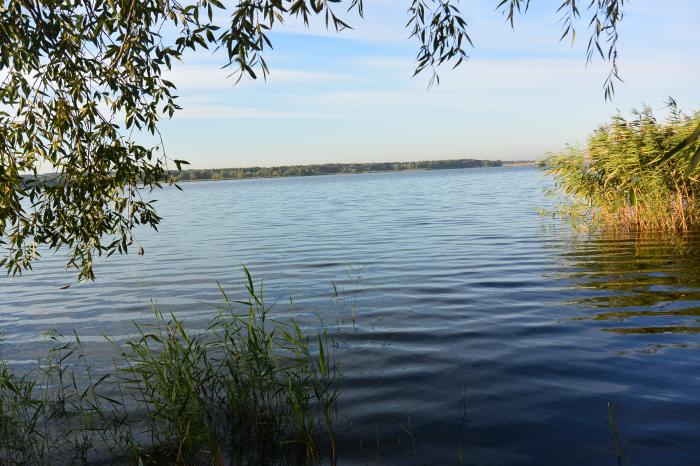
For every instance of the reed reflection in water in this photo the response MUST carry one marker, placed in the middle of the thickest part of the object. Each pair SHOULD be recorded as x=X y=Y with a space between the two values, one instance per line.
x=646 y=284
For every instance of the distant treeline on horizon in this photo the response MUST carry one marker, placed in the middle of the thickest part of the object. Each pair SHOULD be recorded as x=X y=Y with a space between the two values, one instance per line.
x=328 y=169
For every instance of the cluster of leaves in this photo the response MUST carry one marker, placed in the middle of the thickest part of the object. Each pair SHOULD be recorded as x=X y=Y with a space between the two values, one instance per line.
x=442 y=33
x=640 y=174
x=70 y=71
x=250 y=390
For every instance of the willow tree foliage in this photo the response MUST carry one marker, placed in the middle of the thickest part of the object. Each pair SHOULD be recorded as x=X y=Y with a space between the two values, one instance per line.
x=81 y=78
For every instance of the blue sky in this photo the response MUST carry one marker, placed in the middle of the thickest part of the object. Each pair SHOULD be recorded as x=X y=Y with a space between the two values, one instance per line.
x=350 y=97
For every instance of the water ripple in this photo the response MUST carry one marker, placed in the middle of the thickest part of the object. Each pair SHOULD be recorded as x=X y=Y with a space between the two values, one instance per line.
x=458 y=311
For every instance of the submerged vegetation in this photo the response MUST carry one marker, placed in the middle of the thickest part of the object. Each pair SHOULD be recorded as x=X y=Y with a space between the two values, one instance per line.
x=249 y=390
x=329 y=169
x=632 y=175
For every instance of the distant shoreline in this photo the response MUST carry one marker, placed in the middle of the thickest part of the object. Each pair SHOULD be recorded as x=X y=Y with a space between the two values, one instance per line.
x=220 y=174
x=520 y=163
x=288 y=171
x=321 y=174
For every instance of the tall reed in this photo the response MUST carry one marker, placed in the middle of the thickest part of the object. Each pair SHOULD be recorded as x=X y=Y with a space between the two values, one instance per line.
x=625 y=179
x=248 y=390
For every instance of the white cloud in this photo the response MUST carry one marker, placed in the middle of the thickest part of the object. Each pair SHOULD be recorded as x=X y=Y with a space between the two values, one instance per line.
x=210 y=77
x=203 y=110
x=403 y=64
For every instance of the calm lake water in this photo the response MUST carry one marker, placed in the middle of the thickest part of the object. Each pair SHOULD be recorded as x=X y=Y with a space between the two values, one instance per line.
x=462 y=296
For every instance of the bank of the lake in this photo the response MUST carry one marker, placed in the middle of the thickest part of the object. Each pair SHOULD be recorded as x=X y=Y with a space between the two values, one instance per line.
x=328 y=169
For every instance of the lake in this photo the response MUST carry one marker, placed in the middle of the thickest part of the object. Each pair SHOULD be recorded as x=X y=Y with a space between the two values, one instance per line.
x=463 y=321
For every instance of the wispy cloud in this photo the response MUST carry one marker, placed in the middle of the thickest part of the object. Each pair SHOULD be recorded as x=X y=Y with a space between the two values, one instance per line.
x=211 y=77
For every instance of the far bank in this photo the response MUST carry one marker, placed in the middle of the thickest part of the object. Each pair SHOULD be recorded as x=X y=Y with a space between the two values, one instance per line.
x=332 y=169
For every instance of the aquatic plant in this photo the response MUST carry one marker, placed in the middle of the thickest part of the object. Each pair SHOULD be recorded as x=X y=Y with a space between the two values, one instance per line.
x=635 y=174
x=248 y=390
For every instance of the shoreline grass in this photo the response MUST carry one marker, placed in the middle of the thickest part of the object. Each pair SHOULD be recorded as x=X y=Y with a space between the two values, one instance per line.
x=249 y=390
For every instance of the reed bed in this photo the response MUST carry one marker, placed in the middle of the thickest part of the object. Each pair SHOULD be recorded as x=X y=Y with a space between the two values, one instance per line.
x=248 y=390
x=638 y=174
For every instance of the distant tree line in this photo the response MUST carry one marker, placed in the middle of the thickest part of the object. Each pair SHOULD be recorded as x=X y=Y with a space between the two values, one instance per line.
x=55 y=179
x=328 y=169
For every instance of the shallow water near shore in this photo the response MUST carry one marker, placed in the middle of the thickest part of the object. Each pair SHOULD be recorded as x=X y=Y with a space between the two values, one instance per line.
x=464 y=323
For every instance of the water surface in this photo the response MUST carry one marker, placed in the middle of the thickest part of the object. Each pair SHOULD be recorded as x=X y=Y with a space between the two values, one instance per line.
x=477 y=326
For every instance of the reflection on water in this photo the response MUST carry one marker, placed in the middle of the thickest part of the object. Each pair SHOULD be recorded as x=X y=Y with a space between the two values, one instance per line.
x=642 y=285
